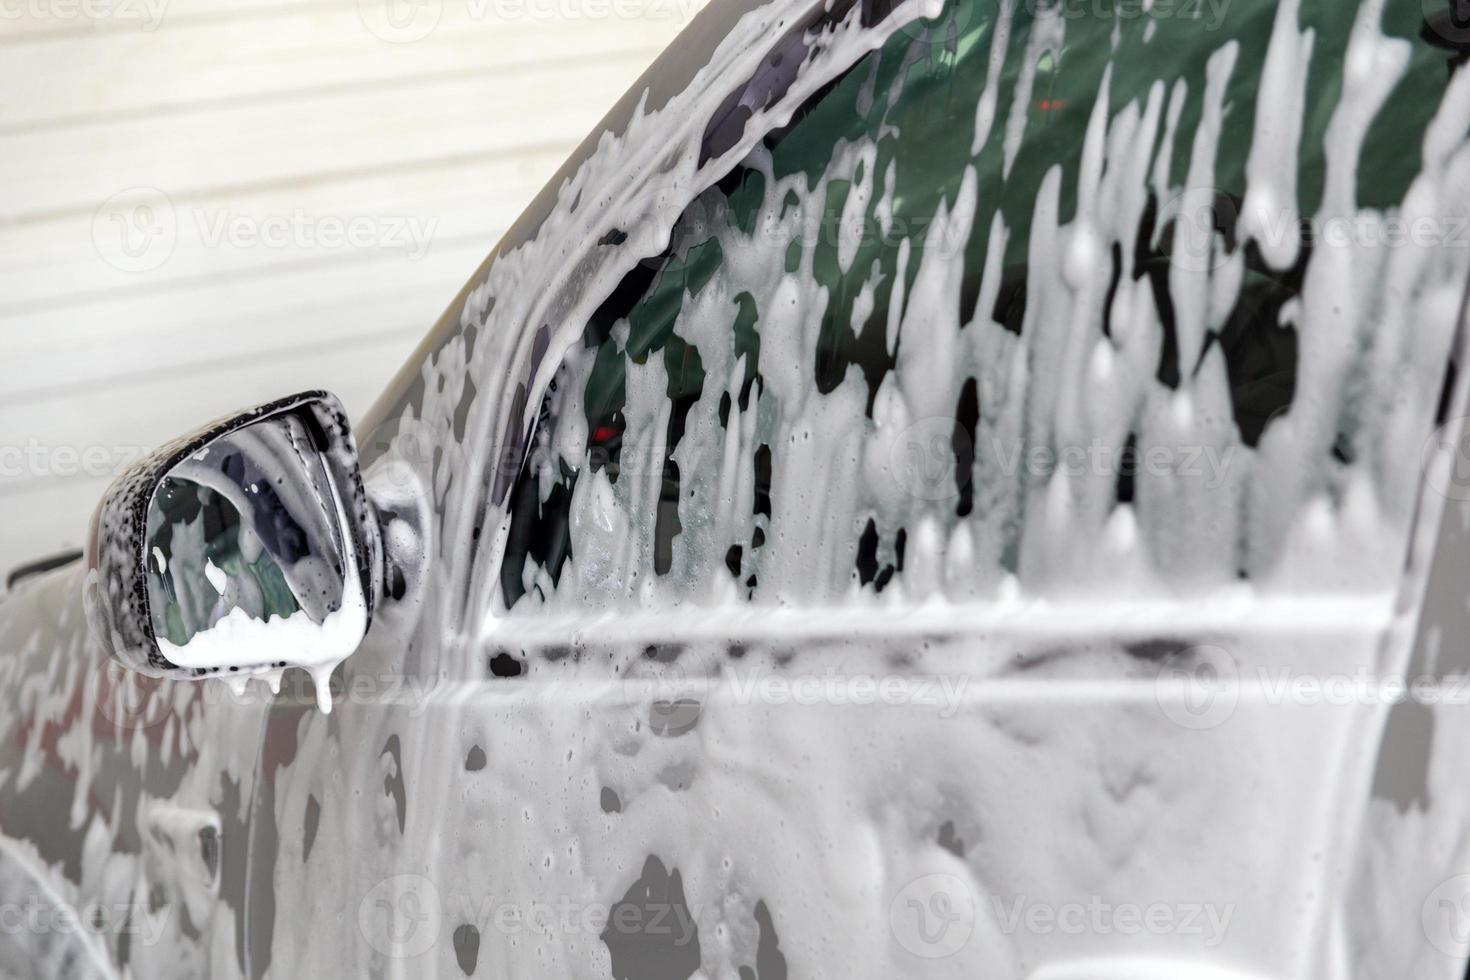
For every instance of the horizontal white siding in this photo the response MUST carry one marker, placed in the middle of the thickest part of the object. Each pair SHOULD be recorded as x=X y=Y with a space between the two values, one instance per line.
x=210 y=203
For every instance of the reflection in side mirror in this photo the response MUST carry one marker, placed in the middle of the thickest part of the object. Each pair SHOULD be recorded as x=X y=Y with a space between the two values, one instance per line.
x=240 y=551
x=248 y=550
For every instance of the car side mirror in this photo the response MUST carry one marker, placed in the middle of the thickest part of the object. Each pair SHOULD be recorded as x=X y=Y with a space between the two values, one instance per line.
x=240 y=550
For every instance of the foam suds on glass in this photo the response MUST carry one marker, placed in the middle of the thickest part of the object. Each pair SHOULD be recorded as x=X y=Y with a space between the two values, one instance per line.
x=1283 y=518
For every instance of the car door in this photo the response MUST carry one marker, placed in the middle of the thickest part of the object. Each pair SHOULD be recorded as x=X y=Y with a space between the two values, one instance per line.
x=869 y=554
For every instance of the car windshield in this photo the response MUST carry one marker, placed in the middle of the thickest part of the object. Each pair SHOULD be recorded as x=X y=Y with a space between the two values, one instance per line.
x=1060 y=297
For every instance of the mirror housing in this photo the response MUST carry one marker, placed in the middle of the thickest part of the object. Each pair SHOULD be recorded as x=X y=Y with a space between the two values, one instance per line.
x=242 y=549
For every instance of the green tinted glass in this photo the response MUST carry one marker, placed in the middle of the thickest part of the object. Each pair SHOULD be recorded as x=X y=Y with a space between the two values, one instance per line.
x=819 y=282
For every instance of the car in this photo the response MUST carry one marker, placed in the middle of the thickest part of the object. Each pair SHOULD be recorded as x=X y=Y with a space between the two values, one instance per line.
x=930 y=489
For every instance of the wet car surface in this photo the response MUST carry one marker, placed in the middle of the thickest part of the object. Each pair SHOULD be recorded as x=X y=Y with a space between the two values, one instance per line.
x=868 y=500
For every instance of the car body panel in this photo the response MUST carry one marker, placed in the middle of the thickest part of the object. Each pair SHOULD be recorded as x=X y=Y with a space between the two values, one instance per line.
x=617 y=771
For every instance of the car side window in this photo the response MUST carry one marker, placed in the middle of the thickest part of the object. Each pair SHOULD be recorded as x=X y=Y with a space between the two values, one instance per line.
x=1039 y=295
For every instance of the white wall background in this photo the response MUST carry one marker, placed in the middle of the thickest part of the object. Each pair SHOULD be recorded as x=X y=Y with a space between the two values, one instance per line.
x=206 y=204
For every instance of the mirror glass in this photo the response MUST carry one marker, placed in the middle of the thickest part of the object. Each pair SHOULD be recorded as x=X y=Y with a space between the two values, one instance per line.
x=251 y=566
